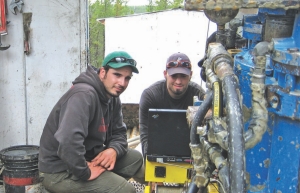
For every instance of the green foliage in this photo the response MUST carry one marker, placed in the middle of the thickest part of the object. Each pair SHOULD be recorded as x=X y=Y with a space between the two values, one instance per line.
x=177 y=3
x=102 y=9
x=160 y=5
x=138 y=9
x=113 y=8
x=150 y=6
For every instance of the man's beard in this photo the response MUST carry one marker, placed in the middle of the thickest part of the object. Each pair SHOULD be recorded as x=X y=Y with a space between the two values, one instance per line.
x=112 y=94
x=177 y=92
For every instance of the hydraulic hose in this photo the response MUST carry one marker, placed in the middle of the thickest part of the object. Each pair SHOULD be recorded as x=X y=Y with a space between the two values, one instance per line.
x=236 y=145
x=194 y=189
x=199 y=117
x=224 y=178
x=200 y=180
x=217 y=124
x=258 y=123
x=215 y=155
x=219 y=62
x=222 y=62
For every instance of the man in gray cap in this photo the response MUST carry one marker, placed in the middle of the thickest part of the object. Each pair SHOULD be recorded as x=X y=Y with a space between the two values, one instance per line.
x=176 y=91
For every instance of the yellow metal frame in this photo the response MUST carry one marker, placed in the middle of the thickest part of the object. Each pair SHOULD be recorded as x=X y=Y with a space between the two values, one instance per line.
x=175 y=172
x=213 y=187
x=147 y=189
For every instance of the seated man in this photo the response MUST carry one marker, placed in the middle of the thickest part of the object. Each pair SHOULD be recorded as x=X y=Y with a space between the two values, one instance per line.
x=83 y=147
x=176 y=91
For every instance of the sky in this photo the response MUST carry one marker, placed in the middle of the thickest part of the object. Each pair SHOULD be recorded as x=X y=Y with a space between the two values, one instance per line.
x=137 y=2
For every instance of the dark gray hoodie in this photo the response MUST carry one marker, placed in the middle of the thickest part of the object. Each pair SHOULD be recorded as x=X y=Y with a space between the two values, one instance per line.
x=84 y=122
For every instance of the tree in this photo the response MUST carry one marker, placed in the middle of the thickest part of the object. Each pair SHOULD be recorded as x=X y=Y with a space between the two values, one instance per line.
x=150 y=6
x=162 y=5
x=177 y=3
x=102 y=9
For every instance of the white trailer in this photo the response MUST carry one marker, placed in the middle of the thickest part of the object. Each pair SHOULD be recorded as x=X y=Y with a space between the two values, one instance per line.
x=151 y=38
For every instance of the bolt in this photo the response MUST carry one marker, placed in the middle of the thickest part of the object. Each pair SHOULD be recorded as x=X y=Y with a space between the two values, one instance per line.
x=274 y=101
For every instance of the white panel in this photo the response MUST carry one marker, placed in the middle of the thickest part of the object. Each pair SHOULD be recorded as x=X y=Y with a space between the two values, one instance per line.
x=152 y=38
x=57 y=56
x=12 y=92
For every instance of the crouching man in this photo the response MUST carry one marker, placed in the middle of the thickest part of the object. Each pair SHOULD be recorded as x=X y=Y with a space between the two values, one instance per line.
x=83 y=147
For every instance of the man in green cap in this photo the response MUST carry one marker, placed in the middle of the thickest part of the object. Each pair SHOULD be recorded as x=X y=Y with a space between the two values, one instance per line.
x=83 y=147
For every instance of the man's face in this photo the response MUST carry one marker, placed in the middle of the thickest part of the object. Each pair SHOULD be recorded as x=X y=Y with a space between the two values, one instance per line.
x=177 y=84
x=115 y=80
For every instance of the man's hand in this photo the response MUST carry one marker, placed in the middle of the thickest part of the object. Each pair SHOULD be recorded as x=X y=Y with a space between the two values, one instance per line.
x=95 y=170
x=106 y=159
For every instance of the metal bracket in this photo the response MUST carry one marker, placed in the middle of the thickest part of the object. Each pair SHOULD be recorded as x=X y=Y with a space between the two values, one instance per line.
x=3 y=47
x=16 y=4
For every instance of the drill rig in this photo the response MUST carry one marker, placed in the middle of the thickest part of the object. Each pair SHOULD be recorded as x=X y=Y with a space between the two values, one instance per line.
x=253 y=81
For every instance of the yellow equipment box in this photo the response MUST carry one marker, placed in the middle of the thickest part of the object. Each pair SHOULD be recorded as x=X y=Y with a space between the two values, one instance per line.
x=178 y=173
x=167 y=172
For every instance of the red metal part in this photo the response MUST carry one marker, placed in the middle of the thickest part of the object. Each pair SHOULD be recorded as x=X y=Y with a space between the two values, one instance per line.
x=2 y=17
x=18 y=181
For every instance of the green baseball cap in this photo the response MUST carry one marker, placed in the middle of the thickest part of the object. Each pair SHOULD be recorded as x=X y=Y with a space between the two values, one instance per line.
x=119 y=59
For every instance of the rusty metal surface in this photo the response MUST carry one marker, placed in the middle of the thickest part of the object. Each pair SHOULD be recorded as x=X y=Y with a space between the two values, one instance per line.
x=285 y=68
x=278 y=27
x=221 y=17
x=197 y=5
x=286 y=4
x=212 y=4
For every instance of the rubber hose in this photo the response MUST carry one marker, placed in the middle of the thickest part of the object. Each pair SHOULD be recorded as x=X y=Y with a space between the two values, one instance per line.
x=194 y=189
x=224 y=178
x=199 y=117
x=236 y=145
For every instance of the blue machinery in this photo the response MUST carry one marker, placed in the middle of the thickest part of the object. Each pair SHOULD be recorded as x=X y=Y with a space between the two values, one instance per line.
x=253 y=137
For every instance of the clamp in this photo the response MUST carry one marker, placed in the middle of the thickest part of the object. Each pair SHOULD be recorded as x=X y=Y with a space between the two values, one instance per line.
x=16 y=4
